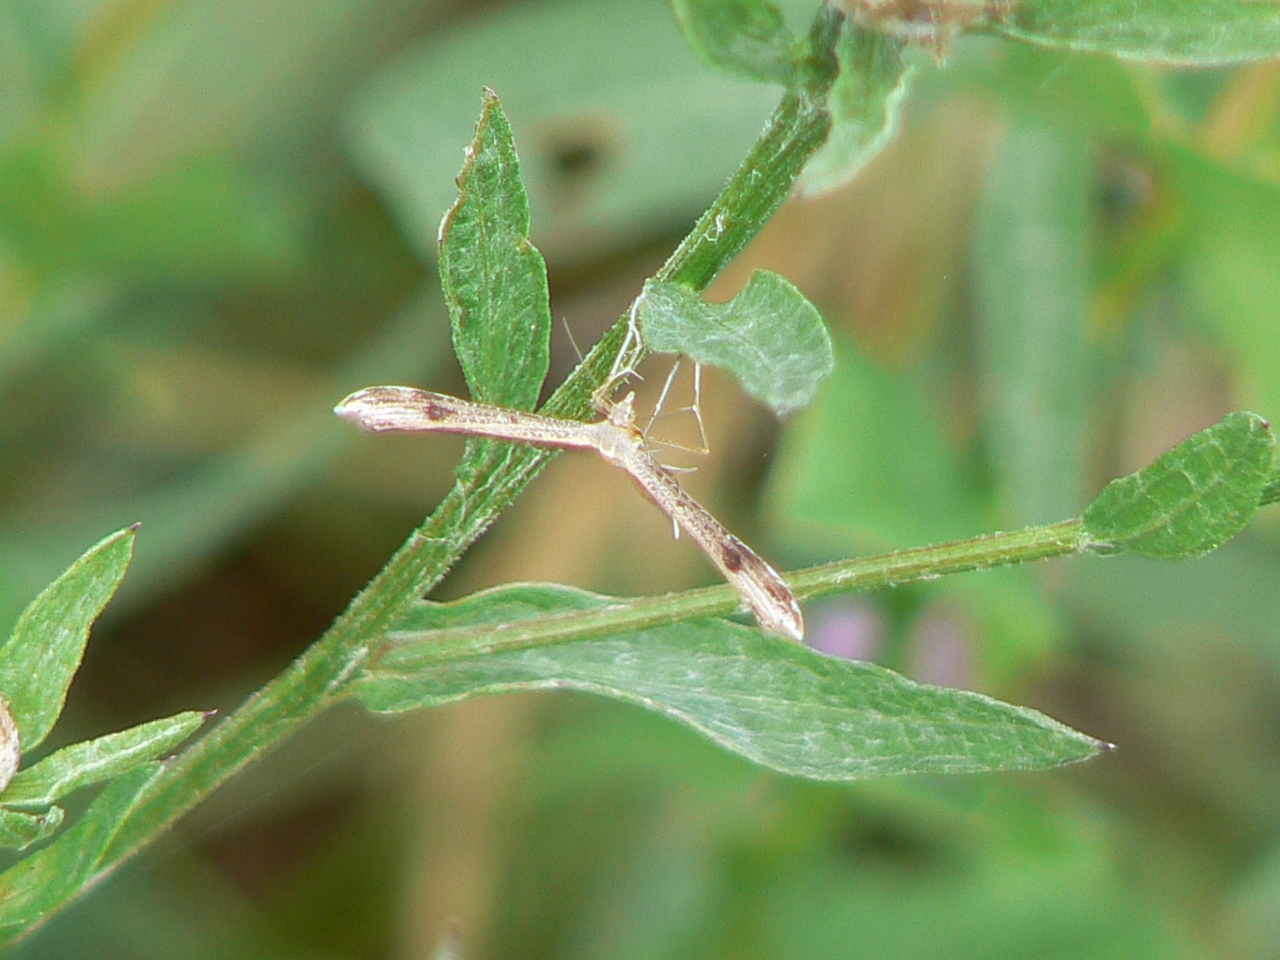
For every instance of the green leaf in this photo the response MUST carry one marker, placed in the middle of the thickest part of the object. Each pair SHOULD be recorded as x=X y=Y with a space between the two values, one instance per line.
x=866 y=104
x=42 y=654
x=19 y=830
x=494 y=279
x=1190 y=32
x=1031 y=271
x=770 y=337
x=746 y=37
x=103 y=758
x=43 y=882
x=198 y=512
x=778 y=703
x=1193 y=499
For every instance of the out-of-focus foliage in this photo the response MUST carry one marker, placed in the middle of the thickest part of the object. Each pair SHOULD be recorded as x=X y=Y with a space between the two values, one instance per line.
x=1062 y=265
x=1190 y=32
x=186 y=274
x=613 y=142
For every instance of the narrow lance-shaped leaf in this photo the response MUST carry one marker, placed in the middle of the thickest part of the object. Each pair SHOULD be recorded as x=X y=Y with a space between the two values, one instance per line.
x=103 y=758
x=745 y=37
x=42 y=654
x=769 y=337
x=494 y=279
x=778 y=703
x=866 y=104
x=1191 y=500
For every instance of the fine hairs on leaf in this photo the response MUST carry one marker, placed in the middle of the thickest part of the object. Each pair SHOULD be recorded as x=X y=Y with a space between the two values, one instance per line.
x=1191 y=500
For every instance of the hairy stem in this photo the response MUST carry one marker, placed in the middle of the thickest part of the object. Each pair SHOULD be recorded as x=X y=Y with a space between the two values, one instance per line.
x=865 y=573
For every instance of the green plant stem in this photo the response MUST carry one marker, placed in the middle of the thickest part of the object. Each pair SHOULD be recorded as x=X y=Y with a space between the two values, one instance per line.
x=925 y=563
x=798 y=127
x=865 y=573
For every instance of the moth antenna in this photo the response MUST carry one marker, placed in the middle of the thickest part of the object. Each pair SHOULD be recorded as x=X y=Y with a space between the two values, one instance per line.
x=668 y=467
x=624 y=364
x=696 y=407
x=568 y=332
x=662 y=397
x=682 y=447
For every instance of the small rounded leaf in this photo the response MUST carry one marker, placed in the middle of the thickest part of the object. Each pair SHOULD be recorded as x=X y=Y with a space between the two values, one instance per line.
x=769 y=337
x=1193 y=498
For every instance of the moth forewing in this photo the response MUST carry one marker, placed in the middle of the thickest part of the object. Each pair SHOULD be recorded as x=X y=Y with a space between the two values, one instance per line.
x=617 y=440
x=408 y=409
x=765 y=592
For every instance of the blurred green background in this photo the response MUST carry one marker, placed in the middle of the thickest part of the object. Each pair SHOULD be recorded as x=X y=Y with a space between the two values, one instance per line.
x=218 y=216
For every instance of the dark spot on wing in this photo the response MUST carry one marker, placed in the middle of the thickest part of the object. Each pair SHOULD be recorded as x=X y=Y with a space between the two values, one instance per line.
x=731 y=554
x=781 y=592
